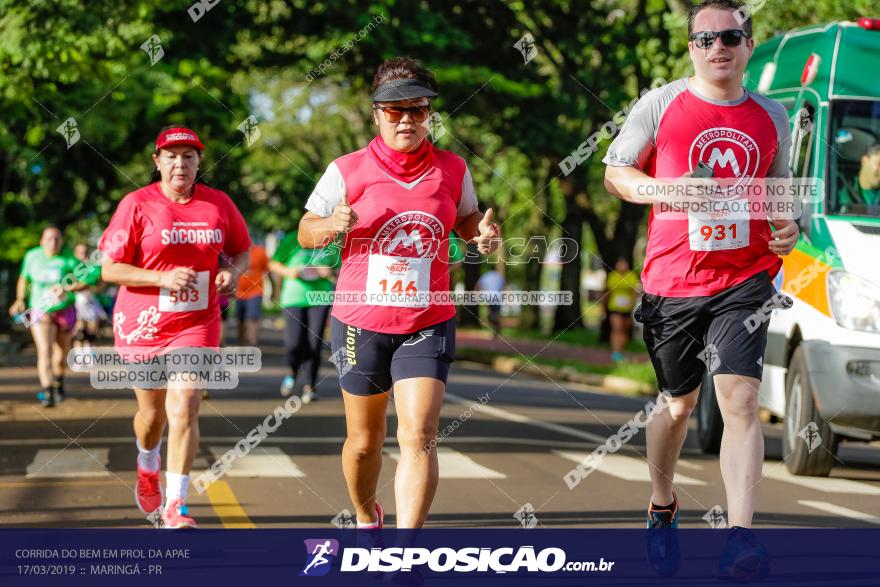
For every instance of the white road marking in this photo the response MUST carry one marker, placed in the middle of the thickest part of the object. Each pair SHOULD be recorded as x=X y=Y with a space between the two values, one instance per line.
x=455 y=465
x=778 y=472
x=71 y=463
x=838 y=510
x=626 y=468
x=520 y=419
x=263 y=461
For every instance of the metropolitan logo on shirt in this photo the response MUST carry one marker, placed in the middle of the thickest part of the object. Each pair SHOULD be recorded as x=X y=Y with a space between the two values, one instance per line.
x=409 y=234
x=731 y=153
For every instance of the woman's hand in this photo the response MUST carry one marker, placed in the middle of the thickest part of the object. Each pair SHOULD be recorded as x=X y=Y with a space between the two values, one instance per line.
x=489 y=238
x=226 y=282
x=178 y=279
x=343 y=218
x=17 y=307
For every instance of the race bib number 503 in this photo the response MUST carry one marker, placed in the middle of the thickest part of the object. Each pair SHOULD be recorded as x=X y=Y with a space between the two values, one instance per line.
x=186 y=300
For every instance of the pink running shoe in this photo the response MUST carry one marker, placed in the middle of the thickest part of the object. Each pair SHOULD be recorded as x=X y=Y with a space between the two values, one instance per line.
x=148 y=492
x=176 y=515
x=377 y=525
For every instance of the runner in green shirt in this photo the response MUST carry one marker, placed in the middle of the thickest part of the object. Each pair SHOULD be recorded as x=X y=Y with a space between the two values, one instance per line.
x=622 y=289
x=304 y=272
x=49 y=276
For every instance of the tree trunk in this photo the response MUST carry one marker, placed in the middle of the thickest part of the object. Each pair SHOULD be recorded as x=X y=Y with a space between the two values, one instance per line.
x=530 y=315
x=568 y=317
x=469 y=315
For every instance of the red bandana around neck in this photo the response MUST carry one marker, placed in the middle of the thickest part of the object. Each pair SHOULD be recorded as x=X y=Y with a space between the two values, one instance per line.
x=405 y=167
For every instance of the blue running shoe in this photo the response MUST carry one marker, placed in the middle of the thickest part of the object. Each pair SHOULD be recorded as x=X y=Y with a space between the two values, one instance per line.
x=661 y=540
x=47 y=398
x=287 y=386
x=744 y=559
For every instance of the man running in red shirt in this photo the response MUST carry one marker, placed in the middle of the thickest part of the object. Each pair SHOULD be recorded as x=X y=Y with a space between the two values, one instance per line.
x=699 y=291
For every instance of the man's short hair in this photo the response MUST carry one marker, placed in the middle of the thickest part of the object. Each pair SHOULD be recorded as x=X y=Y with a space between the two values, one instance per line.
x=744 y=13
x=872 y=150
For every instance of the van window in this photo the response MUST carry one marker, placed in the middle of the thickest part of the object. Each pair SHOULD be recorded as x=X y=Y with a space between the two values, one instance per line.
x=854 y=156
x=802 y=141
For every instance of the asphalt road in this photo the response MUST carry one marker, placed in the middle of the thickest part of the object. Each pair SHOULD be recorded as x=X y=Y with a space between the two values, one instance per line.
x=74 y=465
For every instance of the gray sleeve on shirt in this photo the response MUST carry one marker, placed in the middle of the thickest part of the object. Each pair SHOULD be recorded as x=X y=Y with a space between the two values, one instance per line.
x=468 y=203
x=780 y=165
x=637 y=137
x=327 y=193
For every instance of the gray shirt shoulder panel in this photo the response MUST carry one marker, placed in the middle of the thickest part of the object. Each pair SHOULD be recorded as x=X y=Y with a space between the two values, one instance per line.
x=633 y=145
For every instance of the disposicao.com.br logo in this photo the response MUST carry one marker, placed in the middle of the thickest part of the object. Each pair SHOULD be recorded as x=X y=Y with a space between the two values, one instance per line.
x=445 y=559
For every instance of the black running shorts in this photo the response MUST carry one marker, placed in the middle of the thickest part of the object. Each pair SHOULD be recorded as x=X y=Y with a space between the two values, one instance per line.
x=725 y=332
x=370 y=362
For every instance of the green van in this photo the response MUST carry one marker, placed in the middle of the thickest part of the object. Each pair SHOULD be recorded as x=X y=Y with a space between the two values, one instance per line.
x=822 y=364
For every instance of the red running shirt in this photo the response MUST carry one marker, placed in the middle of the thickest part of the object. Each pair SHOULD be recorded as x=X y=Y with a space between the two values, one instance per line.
x=152 y=232
x=399 y=245
x=668 y=131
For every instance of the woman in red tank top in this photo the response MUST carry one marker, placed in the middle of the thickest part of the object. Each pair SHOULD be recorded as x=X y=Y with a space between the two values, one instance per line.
x=396 y=202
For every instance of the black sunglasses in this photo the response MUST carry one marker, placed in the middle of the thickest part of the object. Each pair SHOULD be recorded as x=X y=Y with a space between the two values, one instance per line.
x=730 y=37
x=394 y=114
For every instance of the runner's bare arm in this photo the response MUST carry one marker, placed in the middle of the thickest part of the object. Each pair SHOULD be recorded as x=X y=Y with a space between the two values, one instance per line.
x=20 y=304
x=467 y=227
x=228 y=276
x=283 y=270
x=315 y=231
x=625 y=181
x=126 y=274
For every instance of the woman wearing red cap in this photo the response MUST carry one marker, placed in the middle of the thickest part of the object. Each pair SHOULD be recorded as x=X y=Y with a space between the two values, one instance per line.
x=163 y=246
x=397 y=200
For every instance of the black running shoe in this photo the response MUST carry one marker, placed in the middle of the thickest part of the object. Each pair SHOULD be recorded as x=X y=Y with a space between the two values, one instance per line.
x=661 y=540
x=744 y=559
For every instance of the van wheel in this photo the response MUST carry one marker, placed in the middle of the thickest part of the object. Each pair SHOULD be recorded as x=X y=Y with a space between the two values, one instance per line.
x=801 y=414
x=710 y=425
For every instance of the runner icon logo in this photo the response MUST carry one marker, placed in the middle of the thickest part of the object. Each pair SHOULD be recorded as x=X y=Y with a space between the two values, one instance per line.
x=344 y=519
x=709 y=356
x=320 y=556
x=526 y=516
x=715 y=517
x=810 y=434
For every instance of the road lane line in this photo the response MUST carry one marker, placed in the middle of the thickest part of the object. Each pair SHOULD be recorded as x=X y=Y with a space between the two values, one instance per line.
x=455 y=465
x=70 y=463
x=778 y=472
x=42 y=442
x=226 y=506
x=838 y=510
x=66 y=483
x=690 y=465
x=520 y=419
x=266 y=461
x=626 y=468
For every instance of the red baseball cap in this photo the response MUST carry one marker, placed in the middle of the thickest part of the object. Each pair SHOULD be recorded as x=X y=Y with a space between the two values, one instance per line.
x=178 y=135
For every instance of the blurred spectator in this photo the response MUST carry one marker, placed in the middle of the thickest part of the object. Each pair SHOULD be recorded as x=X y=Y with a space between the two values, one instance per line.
x=622 y=289
x=492 y=282
x=249 y=297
